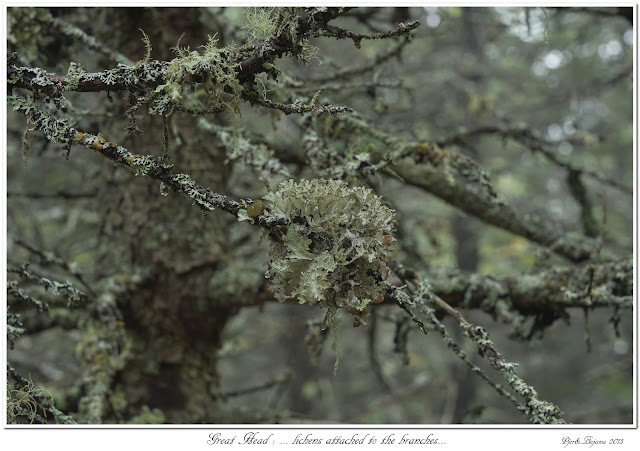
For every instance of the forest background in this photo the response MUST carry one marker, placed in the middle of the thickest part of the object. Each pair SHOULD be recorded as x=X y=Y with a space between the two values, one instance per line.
x=146 y=150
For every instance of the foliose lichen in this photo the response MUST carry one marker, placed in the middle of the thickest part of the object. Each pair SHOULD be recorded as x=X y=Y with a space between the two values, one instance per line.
x=334 y=251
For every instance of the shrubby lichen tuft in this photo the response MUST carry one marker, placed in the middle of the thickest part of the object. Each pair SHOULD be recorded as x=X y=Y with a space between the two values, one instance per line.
x=214 y=68
x=334 y=251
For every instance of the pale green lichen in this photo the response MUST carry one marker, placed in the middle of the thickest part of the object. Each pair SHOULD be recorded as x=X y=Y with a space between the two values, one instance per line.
x=142 y=164
x=243 y=216
x=261 y=22
x=193 y=190
x=256 y=156
x=73 y=76
x=215 y=69
x=334 y=251
x=265 y=24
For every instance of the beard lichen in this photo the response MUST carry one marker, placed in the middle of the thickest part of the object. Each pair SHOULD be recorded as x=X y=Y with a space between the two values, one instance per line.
x=214 y=69
x=334 y=250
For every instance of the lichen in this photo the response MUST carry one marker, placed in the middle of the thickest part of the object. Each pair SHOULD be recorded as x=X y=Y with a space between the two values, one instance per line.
x=214 y=68
x=266 y=24
x=256 y=156
x=194 y=191
x=355 y=149
x=149 y=416
x=261 y=23
x=334 y=251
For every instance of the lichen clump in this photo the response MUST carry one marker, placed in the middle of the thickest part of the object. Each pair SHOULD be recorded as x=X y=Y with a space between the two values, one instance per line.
x=334 y=251
x=214 y=69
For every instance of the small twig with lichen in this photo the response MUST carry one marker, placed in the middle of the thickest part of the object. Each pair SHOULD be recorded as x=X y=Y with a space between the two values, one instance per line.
x=373 y=63
x=297 y=107
x=538 y=411
x=257 y=156
x=402 y=29
x=50 y=258
x=14 y=291
x=71 y=294
x=403 y=302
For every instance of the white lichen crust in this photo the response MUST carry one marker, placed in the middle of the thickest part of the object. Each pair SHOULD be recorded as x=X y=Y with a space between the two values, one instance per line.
x=334 y=251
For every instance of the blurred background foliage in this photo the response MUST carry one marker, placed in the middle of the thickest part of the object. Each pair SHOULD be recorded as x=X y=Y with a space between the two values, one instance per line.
x=563 y=75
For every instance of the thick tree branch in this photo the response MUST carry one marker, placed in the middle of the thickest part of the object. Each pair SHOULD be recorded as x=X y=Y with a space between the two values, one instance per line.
x=453 y=185
x=534 y=143
x=455 y=178
x=149 y=75
x=551 y=290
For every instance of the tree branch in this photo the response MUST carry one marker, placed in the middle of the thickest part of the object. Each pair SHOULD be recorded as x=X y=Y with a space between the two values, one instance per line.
x=57 y=130
x=537 y=410
x=528 y=139
x=455 y=185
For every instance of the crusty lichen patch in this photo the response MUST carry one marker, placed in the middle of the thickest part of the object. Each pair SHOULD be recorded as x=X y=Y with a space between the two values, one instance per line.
x=334 y=251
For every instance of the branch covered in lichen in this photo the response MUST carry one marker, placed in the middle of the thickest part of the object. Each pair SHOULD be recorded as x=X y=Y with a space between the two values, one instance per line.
x=143 y=77
x=226 y=74
x=402 y=29
x=66 y=290
x=530 y=140
x=57 y=130
x=297 y=107
x=220 y=70
x=537 y=410
x=545 y=296
x=458 y=181
x=358 y=149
